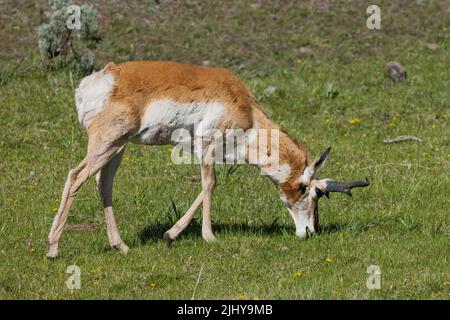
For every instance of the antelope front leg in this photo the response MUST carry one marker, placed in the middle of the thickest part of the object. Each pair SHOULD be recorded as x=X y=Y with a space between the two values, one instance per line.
x=208 y=181
x=105 y=179
x=184 y=221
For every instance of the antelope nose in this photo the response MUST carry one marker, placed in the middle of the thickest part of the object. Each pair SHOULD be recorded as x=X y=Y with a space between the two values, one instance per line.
x=304 y=233
x=301 y=234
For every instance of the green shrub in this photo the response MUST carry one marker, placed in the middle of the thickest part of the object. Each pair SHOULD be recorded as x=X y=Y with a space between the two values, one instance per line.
x=56 y=39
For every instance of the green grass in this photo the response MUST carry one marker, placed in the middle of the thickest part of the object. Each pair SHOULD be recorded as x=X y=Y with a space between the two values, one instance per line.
x=400 y=223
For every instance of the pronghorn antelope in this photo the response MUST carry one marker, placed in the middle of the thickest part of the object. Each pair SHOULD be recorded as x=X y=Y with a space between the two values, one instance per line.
x=145 y=102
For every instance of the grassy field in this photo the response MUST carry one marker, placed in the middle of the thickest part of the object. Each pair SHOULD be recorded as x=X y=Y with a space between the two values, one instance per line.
x=337 y=96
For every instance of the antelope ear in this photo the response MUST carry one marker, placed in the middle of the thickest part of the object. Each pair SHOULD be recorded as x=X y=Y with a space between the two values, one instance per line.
x=310 y=170
x=320 y=161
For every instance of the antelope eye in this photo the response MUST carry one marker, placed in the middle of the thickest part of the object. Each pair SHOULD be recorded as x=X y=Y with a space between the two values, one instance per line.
x=302 y=189
x=319 y=192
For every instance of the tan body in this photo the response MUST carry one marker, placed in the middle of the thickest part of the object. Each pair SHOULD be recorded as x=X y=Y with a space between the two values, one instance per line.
x=144 y=102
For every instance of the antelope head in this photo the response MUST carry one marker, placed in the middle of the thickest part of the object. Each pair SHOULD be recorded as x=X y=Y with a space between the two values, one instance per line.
x=307 y=192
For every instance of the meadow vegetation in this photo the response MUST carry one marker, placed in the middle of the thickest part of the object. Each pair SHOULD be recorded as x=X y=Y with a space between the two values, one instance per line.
x=334 y=94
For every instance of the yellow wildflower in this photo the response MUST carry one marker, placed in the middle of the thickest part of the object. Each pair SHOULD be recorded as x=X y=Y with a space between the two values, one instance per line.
x=241 y=297
x=328 y=260
x=355 y=121
x=55 y=209
x=298 y=274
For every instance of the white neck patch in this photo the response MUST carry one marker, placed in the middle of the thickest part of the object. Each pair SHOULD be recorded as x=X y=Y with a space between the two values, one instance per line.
x=279 y=174
x=307 y=175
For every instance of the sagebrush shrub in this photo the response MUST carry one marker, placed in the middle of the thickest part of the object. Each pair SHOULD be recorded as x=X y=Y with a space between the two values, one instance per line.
x=56 y=39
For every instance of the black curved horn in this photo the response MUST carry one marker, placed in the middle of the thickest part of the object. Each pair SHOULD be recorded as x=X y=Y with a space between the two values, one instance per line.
x=334 y=186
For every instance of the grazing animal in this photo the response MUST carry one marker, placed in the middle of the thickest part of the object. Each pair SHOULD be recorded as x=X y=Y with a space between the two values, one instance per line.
x=146 y=101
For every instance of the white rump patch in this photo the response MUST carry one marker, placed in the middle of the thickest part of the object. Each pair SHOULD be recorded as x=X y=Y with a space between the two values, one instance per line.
x=164 y=116
x=92 y=95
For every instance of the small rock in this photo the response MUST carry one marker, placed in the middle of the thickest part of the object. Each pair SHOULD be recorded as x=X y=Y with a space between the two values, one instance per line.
x=270 y=90
x=305 y=52
x=205 y=63
x=432 y=46
x=395 y=70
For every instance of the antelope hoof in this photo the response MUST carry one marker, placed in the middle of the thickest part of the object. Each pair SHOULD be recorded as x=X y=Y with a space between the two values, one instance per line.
x=122 y=247
x=208 y=236
x=168 y=239
x=52 y=251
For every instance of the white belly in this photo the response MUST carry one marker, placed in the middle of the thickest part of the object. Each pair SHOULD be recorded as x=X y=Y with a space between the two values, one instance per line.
x=163 y=117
